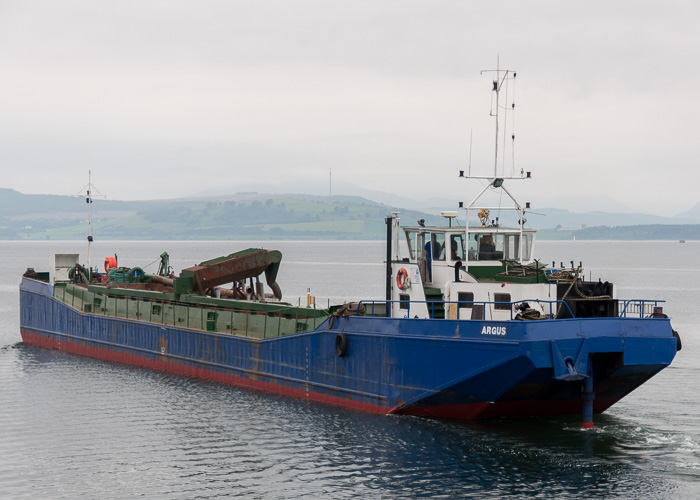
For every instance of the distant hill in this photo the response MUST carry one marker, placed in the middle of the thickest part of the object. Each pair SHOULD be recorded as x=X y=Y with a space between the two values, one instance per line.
x=641 y=232
x=244 y=216
x=687 y=232
x=693 y=213
x=252 y=215
x=13 y=203
x=556 y=217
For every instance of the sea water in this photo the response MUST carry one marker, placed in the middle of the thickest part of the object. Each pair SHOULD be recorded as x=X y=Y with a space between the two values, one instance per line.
x=73 y=427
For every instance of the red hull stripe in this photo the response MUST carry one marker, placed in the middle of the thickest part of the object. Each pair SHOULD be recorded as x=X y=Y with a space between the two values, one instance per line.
x=507 y=409
x=192 y=371
x=457 y=411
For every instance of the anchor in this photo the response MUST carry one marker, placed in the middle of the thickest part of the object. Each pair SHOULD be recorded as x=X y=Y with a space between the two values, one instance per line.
x=568 y=370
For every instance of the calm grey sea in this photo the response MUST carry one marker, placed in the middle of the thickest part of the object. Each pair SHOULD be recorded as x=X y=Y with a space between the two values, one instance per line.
x=73 y=427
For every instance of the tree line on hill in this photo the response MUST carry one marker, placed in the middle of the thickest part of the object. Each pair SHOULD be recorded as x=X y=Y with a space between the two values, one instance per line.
x=250 y=216
x=641 y=232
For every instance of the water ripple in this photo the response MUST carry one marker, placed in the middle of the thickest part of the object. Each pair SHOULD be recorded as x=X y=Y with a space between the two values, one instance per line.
x=75 y=427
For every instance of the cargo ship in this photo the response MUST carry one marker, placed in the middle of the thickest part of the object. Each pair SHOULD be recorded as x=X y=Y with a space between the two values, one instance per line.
x=471 y=324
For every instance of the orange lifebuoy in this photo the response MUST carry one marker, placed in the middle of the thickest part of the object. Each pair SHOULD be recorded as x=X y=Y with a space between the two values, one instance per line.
x=402 y=279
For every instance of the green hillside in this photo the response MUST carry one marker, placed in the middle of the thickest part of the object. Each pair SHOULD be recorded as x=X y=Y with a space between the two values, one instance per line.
x=245 y=216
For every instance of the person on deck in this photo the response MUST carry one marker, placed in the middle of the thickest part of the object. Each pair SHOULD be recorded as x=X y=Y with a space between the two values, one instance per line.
x=428 y=255
x=487 y=244
x=487 y=250
x=454 y=245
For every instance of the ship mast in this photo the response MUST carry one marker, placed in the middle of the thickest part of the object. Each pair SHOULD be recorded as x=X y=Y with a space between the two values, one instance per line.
x=502 y=76
x=497 y=88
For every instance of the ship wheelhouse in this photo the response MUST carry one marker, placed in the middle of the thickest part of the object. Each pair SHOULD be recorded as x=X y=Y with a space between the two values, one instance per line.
x=483 y=245
x=464 y=266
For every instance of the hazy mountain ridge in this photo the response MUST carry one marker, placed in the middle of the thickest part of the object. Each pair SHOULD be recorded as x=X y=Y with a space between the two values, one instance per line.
x=238 y=216
x=555 y=217
x=284 y=216
x=693 y=213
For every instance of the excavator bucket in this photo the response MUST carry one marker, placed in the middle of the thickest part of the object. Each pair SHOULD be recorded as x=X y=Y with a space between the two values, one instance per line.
x=235 y=267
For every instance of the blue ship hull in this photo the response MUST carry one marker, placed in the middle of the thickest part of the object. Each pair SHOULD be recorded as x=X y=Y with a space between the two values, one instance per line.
x=429 y=367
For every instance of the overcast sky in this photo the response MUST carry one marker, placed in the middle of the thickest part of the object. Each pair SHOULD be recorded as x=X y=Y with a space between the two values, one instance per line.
x=164 y=99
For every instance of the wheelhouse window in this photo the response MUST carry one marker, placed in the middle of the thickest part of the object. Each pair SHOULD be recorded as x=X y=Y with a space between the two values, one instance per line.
x=527 y=246
x=486 y=246
x=457 y=249
x=472 y=246
x=426 y=245
x=422 y=240
x=404 y=298
x=438 y=241
x=512 y=246
x=411 y=240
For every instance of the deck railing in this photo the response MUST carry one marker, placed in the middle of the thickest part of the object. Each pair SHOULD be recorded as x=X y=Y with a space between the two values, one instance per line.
x=641 y=308
x=632 y=308
x=468 y=307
